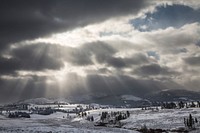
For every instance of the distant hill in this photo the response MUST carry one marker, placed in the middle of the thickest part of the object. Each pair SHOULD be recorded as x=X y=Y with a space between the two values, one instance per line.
x=141 y=100
x=40 y=101
x=174 y=95
x=129 y=100
x=37 y=101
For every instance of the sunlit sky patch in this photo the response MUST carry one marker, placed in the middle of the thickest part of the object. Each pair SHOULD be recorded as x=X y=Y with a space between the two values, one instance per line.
x=166 y=16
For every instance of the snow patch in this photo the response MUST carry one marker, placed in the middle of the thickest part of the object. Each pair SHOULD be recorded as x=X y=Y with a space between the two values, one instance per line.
x=37 y=101
x=131 y=98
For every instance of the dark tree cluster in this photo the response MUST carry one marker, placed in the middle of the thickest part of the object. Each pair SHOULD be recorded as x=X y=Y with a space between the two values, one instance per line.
x=90 y=118
x=42 y=110
x=170 y=105
x=181 y=104
x=18 y=115
x=190 y=122
x=82 y=114
x=116 y=115
x=45 y=111
x=189 y=104
x=112 y=118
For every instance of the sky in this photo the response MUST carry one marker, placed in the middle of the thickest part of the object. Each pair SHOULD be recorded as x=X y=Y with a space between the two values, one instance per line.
x=59 y=48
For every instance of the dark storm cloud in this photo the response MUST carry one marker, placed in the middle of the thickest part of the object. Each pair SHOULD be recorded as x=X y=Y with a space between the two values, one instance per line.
x=35 y=86
x=119 y=62
x=123 y=84
x=167 y=16
x=99 y=71
x=116 y=62
x=82 y=55
x=112 y=85
x=21 y=20
x=18 y=89
x=37 y=57
x=193 y=84
x=183 y=50
x=101 y=50
x=198 y=43
x=115 y=85
x=8 y=65
x=41 y=56
x=77 y=57
x=103 y=53
x=137 y=59
x=193 y=61
x=153 y=69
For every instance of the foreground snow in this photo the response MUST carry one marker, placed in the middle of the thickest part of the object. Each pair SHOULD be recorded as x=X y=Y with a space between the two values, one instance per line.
x=53 y=123
x=163 y=119
x=61 y=122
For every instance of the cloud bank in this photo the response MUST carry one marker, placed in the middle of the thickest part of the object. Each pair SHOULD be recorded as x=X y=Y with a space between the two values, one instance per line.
x=71 y=48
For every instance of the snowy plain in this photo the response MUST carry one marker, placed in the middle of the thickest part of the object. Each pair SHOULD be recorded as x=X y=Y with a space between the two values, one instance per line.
x=62 y=123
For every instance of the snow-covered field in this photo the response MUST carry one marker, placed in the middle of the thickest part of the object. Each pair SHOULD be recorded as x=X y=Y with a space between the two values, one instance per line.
x=54 y=123
x=61 y=122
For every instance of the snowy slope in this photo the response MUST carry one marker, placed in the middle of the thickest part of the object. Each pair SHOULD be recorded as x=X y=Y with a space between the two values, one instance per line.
x=42 y=101
x=131 y=98
x=54 y=123
x=37 y=101
x=60 y=122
